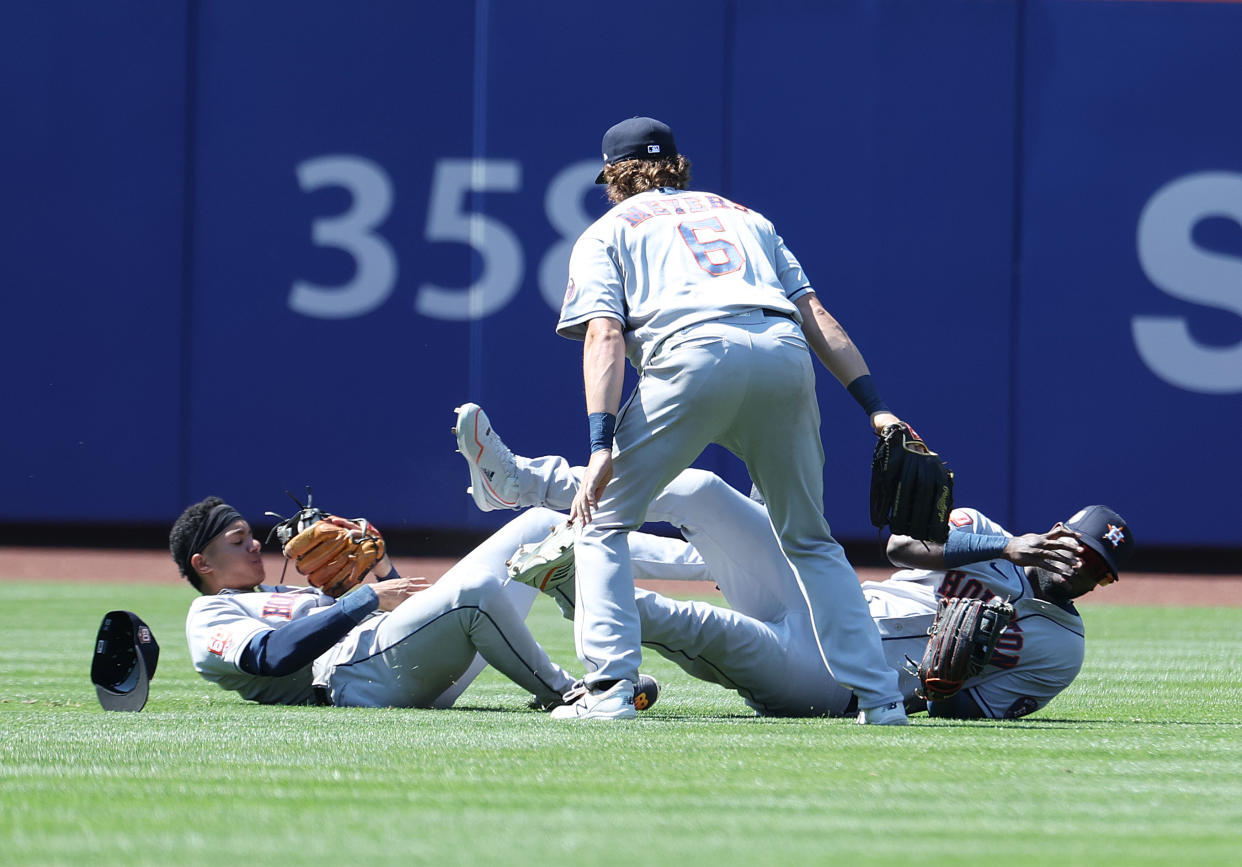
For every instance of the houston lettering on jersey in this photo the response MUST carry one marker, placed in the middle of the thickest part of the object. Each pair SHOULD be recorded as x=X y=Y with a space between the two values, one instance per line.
x=279 y=605
x=1008 y=647
x=953 y=585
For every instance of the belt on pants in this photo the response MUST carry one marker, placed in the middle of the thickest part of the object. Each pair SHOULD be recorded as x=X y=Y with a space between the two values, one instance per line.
x=753 y=315
x=764 y=312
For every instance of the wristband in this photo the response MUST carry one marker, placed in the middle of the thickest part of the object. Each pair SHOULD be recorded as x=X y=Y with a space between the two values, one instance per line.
x=603 y=425
x=864 y=391
x=963 y=548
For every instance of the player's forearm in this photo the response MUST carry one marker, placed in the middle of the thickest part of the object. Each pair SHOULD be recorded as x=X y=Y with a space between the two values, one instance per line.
x=961 y=549
x=830 y=342
x=910 y=553
x=603 y=365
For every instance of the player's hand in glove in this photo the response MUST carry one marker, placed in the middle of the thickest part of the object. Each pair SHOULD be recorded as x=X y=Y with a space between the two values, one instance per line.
x=963 y=639
x=335 y=554
x=911 y=488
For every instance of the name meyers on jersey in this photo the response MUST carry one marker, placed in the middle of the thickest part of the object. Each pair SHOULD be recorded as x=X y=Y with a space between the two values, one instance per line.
x=674 y=205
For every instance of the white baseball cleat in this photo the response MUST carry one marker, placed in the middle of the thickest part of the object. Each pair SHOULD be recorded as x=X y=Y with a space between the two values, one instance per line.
x=610 y=704
x=547 y=563
x=493 y=471
x=646 y=693
x=885 y=715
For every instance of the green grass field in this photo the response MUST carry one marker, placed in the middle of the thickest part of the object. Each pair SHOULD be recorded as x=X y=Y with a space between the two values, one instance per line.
x=1139 y=762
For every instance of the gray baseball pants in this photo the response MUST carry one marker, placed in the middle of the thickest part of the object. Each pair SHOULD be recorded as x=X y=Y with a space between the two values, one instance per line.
x=747 y=383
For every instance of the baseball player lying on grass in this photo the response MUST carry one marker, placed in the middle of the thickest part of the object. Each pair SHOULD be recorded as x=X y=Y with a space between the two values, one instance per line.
x=764 y=646
x=400 y=642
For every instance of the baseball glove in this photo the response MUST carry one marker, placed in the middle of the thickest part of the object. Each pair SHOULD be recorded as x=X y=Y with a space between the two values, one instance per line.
x=963 y=639
x=335 y=554
x=911 y=488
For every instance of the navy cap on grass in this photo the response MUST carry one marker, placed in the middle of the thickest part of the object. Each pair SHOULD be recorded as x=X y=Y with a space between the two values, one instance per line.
x=126 y=654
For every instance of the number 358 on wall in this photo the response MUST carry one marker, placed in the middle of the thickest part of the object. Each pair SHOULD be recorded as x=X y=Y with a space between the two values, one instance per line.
x=448 y=219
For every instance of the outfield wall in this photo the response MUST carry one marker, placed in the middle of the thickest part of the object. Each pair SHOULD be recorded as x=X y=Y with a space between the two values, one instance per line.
x=252 y=246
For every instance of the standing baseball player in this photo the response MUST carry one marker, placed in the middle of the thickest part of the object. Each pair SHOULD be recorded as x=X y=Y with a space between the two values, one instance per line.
x=763 y=645
x=717 y=317
x=399 y=642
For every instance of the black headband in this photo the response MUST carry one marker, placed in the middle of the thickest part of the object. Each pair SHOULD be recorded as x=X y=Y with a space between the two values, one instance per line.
x=218 y=520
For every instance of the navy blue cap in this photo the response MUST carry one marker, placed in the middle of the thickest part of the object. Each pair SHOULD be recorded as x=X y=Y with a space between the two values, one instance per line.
x=639 y=138
x=125 y=658
x=1106 y=533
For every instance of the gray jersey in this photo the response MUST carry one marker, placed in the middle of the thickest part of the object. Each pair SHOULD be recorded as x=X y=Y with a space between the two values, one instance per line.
x=1040 y=652
x=423 y=653
x=219 y=627
x=703 y=257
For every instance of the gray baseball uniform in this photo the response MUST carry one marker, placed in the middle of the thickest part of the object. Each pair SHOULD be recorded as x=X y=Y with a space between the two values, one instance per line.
x=423 y=653
x=703 y=289
x=764 y=648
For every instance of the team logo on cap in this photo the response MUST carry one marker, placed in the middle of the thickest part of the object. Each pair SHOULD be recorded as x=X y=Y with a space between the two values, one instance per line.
x=1115 y=535
x=144 y=634
x=653 y=149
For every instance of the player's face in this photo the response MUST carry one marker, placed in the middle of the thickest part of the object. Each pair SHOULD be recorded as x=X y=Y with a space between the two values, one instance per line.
x=1091 y=574
x=233 y=560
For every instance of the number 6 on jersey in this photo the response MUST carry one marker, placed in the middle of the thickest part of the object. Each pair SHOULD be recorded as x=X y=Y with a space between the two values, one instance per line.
x=716 y=256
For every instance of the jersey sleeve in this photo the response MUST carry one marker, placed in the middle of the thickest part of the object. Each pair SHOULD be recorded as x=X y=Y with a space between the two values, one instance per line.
x=218 y=631
x=789 y=271
x=595 y=289
x=965 y=520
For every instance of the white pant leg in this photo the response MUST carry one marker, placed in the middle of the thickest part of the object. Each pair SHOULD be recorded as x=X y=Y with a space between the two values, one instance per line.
x=552 y=482
x=775 y=667
x=423 y=648
x=789 y=472
x=546 y=481
x=683 y=397
x=734 y=536
x=521 y=597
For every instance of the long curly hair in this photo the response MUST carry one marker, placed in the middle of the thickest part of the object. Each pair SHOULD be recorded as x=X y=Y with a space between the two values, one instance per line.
x=631 y=177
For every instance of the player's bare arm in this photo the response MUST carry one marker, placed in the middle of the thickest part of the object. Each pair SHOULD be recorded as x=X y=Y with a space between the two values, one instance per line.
x=834 y=348
x=910 y=553
x=603 y=372
x=829 y=341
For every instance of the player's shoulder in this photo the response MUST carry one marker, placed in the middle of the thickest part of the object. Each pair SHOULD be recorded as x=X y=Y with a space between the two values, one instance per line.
x=968 y=520
x=1065 y=615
